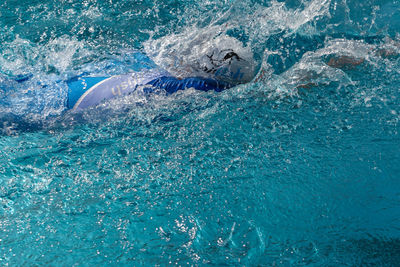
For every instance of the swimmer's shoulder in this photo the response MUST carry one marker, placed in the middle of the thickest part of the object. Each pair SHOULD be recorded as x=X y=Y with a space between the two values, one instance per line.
x=171 y=84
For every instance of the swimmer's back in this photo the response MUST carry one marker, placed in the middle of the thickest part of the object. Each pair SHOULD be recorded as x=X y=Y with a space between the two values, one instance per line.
x=85 y=92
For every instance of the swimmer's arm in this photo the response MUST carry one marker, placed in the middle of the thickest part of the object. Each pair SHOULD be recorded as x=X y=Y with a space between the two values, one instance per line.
x=346 y=62
x=349 y=62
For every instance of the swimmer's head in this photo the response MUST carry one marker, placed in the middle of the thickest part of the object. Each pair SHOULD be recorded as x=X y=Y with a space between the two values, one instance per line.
x=226 y=59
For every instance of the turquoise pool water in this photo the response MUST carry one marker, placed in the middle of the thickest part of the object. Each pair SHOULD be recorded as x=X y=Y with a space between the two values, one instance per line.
x=300 y=168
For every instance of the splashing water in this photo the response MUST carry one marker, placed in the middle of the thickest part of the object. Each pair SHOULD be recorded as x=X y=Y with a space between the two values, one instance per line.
x=298 y=167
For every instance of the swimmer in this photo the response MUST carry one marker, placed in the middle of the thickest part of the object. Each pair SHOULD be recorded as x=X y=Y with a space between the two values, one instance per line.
x=218 y=69
x=225 y=63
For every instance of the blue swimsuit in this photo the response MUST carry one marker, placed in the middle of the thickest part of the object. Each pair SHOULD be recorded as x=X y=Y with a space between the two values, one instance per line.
x=90 y=91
